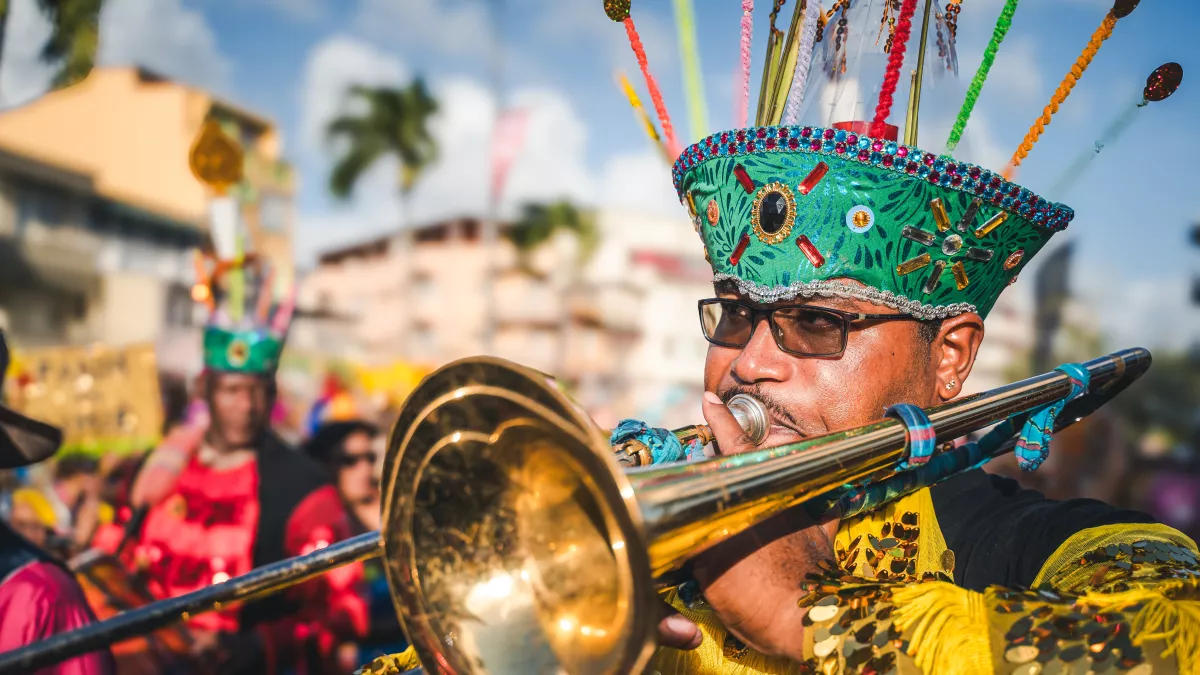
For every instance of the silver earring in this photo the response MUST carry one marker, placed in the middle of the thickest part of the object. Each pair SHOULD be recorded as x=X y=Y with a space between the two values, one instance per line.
x=951 y=384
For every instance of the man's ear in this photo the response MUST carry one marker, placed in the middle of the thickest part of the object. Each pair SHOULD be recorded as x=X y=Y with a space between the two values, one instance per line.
x=957 y=343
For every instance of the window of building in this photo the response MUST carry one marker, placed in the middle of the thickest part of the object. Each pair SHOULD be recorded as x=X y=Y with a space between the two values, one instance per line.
x=40 y=205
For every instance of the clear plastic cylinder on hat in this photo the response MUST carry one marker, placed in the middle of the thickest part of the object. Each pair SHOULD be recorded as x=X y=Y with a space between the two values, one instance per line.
x=850 y=54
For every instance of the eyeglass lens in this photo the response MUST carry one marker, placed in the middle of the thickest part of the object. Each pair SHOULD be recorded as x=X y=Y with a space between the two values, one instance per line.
x=799 y=330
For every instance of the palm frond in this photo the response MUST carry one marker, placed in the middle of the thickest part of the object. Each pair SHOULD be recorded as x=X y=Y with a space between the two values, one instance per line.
x=394 y=121
x=351 y=166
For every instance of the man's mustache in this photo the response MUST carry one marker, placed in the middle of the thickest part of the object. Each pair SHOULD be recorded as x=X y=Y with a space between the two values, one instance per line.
x=778 y=409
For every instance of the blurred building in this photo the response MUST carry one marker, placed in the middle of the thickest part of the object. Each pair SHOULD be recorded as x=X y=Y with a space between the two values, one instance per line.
x=1008 y=341
x=99 y=210
x=621 y=329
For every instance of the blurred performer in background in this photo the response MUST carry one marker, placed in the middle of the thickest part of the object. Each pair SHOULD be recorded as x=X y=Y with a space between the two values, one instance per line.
x=38 y=596
x=227 y=495
x=351 y=450
x=231 y=496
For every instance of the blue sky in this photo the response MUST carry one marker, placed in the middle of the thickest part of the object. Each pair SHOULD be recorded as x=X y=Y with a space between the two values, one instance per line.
x=290 y=59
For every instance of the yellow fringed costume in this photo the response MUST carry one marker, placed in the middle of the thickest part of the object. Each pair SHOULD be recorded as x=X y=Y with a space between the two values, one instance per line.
x=1116 y=598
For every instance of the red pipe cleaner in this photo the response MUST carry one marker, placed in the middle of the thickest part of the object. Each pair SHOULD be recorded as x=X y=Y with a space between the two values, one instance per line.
x=664 y=119
x=895 y=61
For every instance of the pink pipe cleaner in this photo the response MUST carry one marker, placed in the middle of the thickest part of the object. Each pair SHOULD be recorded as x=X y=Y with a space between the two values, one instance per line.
x=743 y=111
x=664 y=119
x=896 y=60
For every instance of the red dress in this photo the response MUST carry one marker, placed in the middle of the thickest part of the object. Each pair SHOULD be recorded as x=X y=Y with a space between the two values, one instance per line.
x=204 y=532
x=39 y=600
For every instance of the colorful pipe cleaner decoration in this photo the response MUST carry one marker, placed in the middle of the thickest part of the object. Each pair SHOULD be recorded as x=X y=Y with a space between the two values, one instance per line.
x=618 y=10
x=689 y=53
x=640 y=111
x=743 y=111
x=1160 y=85
x=895 y=61
x=1120 y=10
x=655 y=95
x=1003 y=23
x=808 y=37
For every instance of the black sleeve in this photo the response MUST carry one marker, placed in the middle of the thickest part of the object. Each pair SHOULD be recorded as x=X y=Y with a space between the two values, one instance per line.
x=1002 y=534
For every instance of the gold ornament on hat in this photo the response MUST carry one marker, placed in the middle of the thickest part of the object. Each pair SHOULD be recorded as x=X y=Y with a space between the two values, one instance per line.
x=215 y=158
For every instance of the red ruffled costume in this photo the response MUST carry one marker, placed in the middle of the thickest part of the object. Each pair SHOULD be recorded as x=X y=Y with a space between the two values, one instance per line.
x=213 y=525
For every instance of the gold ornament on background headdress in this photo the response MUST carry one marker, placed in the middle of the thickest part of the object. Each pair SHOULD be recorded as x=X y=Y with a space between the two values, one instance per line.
x=215 y=158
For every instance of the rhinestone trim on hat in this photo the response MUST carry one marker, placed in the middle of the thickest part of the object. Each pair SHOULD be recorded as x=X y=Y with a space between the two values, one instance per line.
x=944 y=171
x=833 y=289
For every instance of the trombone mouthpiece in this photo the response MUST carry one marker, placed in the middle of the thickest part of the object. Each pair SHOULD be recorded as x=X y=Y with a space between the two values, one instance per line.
x=751 y=414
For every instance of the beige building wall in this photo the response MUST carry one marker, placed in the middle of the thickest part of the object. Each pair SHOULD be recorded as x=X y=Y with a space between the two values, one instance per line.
x=621 y=330
x=132 y=131
x=134 y=305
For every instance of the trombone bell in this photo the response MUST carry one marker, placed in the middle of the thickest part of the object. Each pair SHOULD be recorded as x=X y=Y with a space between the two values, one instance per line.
x=513 y=541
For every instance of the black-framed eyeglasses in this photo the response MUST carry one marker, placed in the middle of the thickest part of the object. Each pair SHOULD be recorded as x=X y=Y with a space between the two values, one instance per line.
x=799 y=330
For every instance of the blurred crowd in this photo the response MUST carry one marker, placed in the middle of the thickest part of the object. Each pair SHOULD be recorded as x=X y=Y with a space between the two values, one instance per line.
x=84 y=508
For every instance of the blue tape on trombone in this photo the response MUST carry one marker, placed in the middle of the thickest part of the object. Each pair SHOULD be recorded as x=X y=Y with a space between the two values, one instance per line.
x=1033 y=445
x=664 y=446
x=920 y=438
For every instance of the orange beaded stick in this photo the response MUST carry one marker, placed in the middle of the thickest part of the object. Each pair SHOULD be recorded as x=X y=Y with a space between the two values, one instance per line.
x=618 y=10
x=1120 y=10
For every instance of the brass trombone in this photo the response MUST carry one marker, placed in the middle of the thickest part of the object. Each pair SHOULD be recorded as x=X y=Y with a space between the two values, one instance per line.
x=515 y=542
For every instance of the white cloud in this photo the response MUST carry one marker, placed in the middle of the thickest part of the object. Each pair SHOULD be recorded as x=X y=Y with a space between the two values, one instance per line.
x=23 y=76
x=332 y=67
x=640 y=182
x=163 y=36
x=1016 y=73
x=447 y=26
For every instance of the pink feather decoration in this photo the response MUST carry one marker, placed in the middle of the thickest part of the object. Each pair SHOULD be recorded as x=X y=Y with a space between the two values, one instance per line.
x=660 y=108
x=743 y=111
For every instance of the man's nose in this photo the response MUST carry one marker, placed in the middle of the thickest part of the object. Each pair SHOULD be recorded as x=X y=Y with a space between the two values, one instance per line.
x=760 y=360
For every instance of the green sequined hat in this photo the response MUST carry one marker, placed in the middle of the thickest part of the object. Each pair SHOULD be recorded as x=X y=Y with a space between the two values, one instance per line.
x=245 y=332
x=783 y=211
x=817 y=190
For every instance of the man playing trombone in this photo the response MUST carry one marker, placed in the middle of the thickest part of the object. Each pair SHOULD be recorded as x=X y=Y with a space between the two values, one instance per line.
x=853 y=273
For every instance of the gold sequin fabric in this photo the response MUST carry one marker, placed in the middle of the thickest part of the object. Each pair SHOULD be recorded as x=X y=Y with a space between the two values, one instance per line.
x=855 y=626
x=849 y=627
x=1112 y=556
x=391 y=664
x=899 y=542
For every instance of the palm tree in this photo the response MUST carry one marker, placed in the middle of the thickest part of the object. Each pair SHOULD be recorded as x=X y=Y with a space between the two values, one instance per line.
x=73 y=40
x=394 y=122
x=539 y=223
x=72 y=43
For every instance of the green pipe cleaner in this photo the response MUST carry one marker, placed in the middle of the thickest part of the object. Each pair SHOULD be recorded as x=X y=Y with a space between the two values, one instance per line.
x=989 y=56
